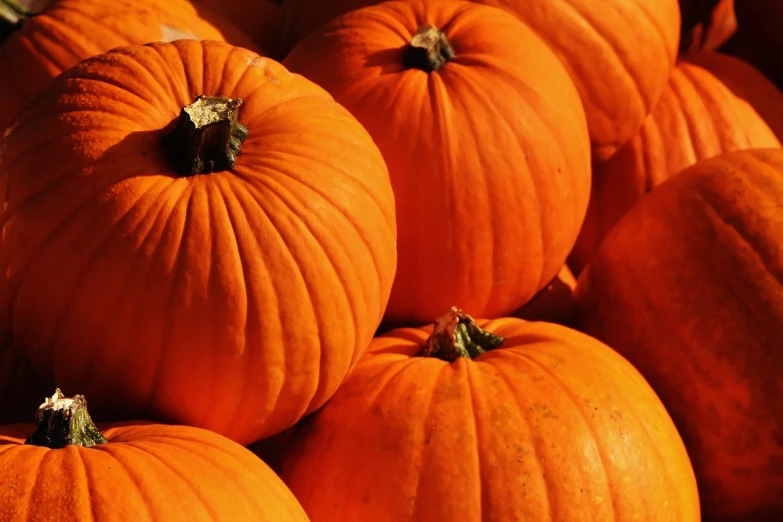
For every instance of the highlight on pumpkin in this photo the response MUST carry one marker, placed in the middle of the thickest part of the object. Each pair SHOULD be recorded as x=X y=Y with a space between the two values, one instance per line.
x=410 y=260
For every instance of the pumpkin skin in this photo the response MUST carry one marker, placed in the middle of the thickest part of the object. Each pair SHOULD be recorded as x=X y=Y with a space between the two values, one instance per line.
x=145 y=472
x=698 y=117
x=618 y=52
x=552 y=425
x=258 y=19
x=487 y=208
x=68 y=31
x=687 y=286
x=259 y=286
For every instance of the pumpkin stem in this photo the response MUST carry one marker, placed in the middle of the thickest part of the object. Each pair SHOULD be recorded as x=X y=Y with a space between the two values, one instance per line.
x=12 y=16
x=429 y=50
x=207 y=136
x=63 y=421
x=457 y=335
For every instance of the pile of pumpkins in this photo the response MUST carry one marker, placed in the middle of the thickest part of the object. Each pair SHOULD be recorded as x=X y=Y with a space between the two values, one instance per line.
x=431 y=260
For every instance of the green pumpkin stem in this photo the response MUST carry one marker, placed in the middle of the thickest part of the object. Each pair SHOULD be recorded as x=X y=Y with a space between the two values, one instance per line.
x=457 y=335
x=12 y=16
x=428 y=50
x=64 y=421
x=206 y=137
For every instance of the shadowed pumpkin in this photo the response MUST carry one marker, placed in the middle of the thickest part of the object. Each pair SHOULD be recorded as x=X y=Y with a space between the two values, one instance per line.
x=491 y=421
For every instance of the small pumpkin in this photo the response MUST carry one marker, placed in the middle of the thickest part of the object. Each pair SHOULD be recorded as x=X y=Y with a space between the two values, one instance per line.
x=705 y=111
x=706 y=24
x=486 y=143
x=687 y=286
x=64 y=468
x=40 y=39
x=492 y=421
x=618 y=52
x=239 y=248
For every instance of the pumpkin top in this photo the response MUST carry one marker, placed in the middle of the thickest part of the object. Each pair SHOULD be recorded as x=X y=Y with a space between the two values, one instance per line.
x=64 y=421
x=457 y=335
x=428 y=50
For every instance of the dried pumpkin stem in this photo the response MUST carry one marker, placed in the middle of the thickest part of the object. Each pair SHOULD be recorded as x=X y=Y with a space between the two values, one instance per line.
x=457 y=335
x=64 y=421
x=428 y=50
x=12 y=16
x=206 y=137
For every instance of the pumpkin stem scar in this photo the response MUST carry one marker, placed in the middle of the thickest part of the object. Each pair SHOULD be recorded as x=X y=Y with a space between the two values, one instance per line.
x=206 y=137
x=63 y=421
x=457 y=335
x=12 y=16
x=428 y=50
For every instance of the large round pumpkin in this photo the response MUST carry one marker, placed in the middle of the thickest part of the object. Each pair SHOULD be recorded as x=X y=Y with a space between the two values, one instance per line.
x=63 y=468
x=492 y=421
x=698 y=117
x=618 y=52
x=35 y=49
x=486 y=143
x=157 y=270
x=688 y=286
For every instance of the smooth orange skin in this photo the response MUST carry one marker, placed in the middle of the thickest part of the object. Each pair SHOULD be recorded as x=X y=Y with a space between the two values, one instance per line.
x=258 y=19
x=145 y=473
x=698 y=117
x=256 y=289
x=618 y=52
x=688 y=287
x=551 y=426
x=489 y=157
x=72 y=30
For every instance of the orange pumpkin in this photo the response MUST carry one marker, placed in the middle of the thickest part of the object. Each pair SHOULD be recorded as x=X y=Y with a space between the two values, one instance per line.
x=688 y=286
x=492 y=421
x=147 y=280
x=618 y=52
x=486 y=143
x=258 y=19
x=64 y=468
x=698 y=117
x=35 y=49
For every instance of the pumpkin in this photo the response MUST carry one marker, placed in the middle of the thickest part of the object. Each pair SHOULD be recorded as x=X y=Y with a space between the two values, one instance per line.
x=698 y=117
x=239 y=248
x=618 y=52
x=492 y=421
x=34 y=48
x=553 y=302
x=706 y=24
x=486 y=143
x=64 y=468
x=258 y=19
x=688 y=287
